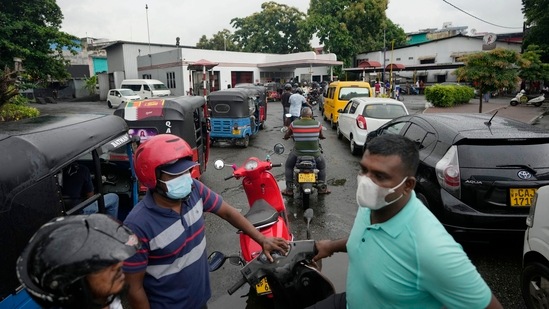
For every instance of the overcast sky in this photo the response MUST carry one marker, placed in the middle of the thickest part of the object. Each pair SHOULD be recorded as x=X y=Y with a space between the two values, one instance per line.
x=189 y=20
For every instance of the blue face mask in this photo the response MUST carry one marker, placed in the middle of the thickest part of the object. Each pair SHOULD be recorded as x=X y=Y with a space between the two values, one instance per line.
x=179 y=187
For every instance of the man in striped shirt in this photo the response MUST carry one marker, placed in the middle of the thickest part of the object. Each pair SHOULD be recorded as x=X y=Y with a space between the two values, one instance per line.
x=306 y=133
x=171 y=269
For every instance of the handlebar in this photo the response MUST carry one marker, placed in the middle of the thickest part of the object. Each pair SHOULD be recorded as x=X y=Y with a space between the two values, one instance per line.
x=276 y=165
x=237 y=285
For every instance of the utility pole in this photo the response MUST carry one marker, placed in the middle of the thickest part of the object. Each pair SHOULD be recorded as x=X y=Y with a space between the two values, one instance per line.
x=148 y=33
x=384 y=51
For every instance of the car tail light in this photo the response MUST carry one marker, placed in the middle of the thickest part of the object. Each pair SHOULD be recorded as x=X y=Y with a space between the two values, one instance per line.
x=447 y=170
x=361 y=122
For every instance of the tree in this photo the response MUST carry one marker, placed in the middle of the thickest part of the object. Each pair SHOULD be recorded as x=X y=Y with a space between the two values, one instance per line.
x=534 y=69
x=30 y=29
x=490 y=71
x=348 y=27
x=222 y=40
x=537 y=23
x=277 y=29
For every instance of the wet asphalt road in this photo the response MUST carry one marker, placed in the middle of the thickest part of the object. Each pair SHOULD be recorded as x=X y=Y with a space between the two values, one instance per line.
x=498 y=262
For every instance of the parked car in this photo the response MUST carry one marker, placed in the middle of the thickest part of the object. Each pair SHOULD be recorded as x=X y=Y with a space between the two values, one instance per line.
x=477 y=173
x=363 y=115
x=146 y=88
x=120 y=96
x=534 y=278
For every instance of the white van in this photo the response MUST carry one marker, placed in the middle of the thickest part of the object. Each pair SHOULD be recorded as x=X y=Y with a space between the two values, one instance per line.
x=146 y=88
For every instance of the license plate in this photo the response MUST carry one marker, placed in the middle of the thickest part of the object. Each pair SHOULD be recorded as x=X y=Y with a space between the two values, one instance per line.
x=521 y=197
x=236 y=132
x=306 y=177
x=263 y=287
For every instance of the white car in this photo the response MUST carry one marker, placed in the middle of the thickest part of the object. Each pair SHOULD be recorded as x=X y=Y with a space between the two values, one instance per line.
x=363 y=115
x=120 y=96
x=534 y=278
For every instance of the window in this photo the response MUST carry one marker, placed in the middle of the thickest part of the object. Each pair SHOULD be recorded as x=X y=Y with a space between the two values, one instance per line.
x=427 y=61
x=147 y=76
x=398 y=59
x=170 y=76
x=410 y=58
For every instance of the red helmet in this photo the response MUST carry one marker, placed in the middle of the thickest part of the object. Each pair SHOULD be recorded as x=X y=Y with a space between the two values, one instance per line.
x=157 y=151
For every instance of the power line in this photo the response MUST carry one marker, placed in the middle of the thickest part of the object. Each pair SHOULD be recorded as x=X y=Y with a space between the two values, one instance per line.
x=480 y=18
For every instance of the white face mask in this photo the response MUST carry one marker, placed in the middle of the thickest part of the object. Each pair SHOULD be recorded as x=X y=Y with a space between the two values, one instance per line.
x=370 y=195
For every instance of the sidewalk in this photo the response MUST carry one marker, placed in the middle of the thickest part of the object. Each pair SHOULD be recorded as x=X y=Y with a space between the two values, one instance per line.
x=521 y=112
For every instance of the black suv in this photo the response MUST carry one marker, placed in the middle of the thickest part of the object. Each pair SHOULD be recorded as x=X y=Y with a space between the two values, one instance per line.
x=477 y=173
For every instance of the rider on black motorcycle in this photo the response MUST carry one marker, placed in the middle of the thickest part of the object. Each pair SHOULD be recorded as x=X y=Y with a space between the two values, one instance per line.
x=306 y=133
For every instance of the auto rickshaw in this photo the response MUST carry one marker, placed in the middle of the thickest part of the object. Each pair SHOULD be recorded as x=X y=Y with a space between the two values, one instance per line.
x=235 y=115
x=261 y=97
x=185 y=116
x=274 y=91
x=34 y=152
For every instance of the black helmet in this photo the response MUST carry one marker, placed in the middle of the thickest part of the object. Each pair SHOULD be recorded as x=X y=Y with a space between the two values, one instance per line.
x=299 y=90
x=288 y=87
x=315 y=85
x=65 y=250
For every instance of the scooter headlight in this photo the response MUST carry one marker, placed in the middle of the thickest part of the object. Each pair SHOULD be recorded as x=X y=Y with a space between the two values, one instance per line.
x=251 y=165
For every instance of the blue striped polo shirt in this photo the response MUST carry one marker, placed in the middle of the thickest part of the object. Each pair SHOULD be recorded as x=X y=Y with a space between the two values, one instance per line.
x=173 y=253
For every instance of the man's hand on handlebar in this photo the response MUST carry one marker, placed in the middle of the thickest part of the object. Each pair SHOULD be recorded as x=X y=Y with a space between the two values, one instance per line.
x=271 y=244
x=323 y=249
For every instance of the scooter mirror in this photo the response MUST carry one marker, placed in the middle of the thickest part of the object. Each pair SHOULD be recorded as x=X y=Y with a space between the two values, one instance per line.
x=216 y=260
x=236 y=260
x=219 y=164
x=308 y=215
x=278 y=148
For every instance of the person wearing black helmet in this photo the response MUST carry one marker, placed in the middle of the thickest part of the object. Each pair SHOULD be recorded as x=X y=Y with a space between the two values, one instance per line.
x=76 y=262
x=285 y=100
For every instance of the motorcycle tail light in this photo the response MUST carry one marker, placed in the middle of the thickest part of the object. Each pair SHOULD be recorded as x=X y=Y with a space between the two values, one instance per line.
x=361 y=122
x=447 y=170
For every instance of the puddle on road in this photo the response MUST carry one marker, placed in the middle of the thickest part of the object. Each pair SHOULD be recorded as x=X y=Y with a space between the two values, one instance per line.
x=336 y=182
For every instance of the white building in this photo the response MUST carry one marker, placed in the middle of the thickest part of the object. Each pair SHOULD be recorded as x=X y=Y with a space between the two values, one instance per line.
x=432 y=61
x=187 y=70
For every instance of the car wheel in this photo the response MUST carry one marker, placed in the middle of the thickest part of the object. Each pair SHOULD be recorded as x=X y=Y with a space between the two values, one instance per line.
x=514 y=103
x=534 y=282
x=109 y=104
x=538 y=104
x=332 y=123
x=339 y=135
x=324 y=117
x=354 y=148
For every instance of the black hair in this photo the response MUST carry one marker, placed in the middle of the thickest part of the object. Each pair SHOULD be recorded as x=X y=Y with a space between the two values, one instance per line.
x=394 y=144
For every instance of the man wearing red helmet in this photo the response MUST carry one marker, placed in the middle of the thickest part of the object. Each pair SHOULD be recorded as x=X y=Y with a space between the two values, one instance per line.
x=171 y=270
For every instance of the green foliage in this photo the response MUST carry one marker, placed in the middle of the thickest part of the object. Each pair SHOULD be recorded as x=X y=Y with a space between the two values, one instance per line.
x=448 y=95
x=19 y=100
x=348 y=27
x=533 y=68
x=12 y=112
x=91 y=84
x=277 y=29
x=537 y=21
x=222 y=40
x=490 y=71
x=30 y=29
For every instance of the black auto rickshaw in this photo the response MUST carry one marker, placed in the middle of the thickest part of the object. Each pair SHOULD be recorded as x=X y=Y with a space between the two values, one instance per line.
x=234 y=115
x=186 y=117
x=261 y=97
x=34 y=153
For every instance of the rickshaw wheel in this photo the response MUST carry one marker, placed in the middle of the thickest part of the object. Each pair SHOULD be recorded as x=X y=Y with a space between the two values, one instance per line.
x=246 y=141
x=262 y=125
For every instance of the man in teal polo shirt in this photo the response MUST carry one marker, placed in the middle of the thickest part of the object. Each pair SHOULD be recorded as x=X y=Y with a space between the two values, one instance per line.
x=400 y=255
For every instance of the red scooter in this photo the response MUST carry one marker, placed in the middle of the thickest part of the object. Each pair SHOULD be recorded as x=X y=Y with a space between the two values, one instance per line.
x=267 y=210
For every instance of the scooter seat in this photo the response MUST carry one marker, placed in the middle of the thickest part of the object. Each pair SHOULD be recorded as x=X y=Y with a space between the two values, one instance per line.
x=261 y=214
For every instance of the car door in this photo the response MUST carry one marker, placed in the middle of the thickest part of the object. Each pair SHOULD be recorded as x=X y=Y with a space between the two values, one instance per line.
x=345 y=119
x=116 y=98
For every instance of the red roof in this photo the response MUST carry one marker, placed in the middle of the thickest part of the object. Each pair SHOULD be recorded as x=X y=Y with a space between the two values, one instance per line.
x=395 y=66
x=369 y=64
x=198 y=65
